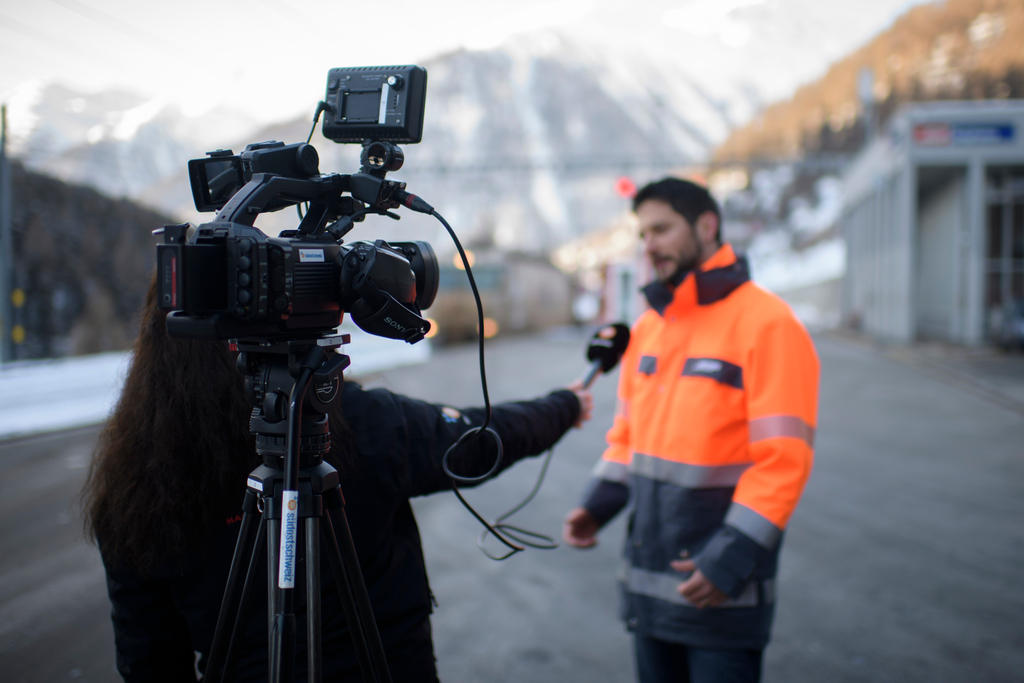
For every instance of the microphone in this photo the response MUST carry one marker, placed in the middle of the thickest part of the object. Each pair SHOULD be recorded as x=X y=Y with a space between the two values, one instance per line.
x=605 y=349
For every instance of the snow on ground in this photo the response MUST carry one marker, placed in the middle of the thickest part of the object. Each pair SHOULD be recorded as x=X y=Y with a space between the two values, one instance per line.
x=46 y=395
x=793 y=273
x=775 y=267
x=40 y=396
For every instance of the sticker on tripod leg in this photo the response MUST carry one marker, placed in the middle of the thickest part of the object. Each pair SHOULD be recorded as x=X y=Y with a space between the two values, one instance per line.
x=289 y=532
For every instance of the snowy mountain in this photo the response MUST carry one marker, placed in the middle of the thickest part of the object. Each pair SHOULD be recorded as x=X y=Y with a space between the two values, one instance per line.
x=117 y=141
x=524 y=143
x=521 y=143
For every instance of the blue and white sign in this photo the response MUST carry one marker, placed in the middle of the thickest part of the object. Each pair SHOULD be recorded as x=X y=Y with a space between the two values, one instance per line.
x=311 y=255
x=982 y=133
x=289 y=538
x=938 y=134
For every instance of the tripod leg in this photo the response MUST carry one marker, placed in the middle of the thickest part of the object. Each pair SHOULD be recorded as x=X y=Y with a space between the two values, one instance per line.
x=273 y=654
x=313 y=620
x=232 y=599
x=343 y=587
x=280 y=618
x=352 y=591
x=257 y=548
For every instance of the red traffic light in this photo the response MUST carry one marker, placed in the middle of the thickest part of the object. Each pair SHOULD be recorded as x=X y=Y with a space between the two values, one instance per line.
x=625 y=187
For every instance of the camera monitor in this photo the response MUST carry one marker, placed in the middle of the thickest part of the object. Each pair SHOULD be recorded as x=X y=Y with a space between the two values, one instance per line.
x=375 y=103
x=215 y=179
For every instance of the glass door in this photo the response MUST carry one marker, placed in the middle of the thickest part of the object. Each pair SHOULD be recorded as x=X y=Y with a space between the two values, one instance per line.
x=1004 y=262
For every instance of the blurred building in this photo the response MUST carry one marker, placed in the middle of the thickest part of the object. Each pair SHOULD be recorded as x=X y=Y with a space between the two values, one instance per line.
x=520 y=293
x=610 y=268
x=933 y=219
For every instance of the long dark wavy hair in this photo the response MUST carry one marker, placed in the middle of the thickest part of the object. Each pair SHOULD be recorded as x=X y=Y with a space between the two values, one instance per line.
x=173 y=456
x=170 y=463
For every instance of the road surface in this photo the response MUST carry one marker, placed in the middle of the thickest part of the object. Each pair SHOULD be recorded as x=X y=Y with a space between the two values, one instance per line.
x=902 y=563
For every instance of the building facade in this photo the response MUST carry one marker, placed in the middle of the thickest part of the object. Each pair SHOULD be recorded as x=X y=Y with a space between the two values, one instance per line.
x=933 y=219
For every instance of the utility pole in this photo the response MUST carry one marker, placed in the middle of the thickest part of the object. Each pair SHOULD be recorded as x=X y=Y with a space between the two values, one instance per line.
x=6 y=249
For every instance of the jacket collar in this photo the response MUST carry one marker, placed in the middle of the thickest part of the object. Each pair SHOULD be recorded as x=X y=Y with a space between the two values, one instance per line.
x=713 y=281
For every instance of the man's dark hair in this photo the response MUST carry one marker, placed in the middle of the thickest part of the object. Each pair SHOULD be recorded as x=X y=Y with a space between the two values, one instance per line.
x=686 y=198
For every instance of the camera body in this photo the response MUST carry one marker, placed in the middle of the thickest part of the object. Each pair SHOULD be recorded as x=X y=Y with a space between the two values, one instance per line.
x=230 y=281
x=226 y=279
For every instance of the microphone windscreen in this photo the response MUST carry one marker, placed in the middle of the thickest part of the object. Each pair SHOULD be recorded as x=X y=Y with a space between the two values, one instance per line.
x=608 y=344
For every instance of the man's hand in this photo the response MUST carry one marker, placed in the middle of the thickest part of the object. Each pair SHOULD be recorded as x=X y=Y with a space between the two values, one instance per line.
x=698 y=589
x=586 y=400
x=580 y=529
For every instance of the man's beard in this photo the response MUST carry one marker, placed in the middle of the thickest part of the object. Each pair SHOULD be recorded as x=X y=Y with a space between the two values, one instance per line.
x=683 y=269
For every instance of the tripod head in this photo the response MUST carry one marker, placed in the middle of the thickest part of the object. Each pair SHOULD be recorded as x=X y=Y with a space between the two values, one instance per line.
x=272 y=371
x=295 y=486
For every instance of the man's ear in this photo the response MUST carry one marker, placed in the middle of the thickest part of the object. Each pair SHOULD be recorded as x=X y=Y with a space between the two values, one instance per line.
x=707 y=229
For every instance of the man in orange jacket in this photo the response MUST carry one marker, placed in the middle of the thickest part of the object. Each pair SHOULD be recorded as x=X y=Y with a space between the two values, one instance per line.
x=710 y=448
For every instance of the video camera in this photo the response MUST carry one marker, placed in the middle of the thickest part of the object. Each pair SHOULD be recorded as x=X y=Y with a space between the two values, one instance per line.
x=226 y=279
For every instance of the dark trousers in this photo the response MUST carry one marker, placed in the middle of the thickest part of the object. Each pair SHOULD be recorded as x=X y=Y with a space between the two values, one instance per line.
x=658 y=661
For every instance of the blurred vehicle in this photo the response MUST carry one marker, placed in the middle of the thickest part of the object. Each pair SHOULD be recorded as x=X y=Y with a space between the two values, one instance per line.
x=520 y=293
x=1009 y=332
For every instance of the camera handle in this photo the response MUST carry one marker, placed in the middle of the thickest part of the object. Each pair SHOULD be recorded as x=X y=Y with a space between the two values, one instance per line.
x=369 y=192
x=307 y=490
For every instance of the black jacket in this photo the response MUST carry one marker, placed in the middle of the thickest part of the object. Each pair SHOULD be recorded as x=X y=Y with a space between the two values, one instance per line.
x=164 y=624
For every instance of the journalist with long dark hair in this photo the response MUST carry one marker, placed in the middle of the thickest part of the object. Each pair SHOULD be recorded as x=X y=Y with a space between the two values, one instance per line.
x=164 y=492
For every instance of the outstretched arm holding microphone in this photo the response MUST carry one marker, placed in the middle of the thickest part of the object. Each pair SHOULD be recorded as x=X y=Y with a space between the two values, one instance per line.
x=604 y=350
x=605 y=498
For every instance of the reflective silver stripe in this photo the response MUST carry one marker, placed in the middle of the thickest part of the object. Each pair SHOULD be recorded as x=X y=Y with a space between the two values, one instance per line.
x=781 y=425
x=754 y=525
x=664 y=586
x=687 y=475
x=612 y=471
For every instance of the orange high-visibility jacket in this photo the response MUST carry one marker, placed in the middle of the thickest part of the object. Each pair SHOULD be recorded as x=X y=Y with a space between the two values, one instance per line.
x=714 y=440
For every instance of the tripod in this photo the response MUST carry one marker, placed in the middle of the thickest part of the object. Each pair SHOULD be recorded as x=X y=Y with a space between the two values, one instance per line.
x=294 y=487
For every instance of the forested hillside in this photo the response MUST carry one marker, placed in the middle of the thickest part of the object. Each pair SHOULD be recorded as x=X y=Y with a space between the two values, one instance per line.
x=84 y=262
x=958 y=49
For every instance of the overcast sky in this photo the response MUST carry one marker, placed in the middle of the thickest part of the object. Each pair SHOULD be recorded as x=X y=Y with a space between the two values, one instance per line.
x=271 y=56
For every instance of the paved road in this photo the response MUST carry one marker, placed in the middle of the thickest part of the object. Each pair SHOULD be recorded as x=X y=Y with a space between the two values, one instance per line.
x=902 y=563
